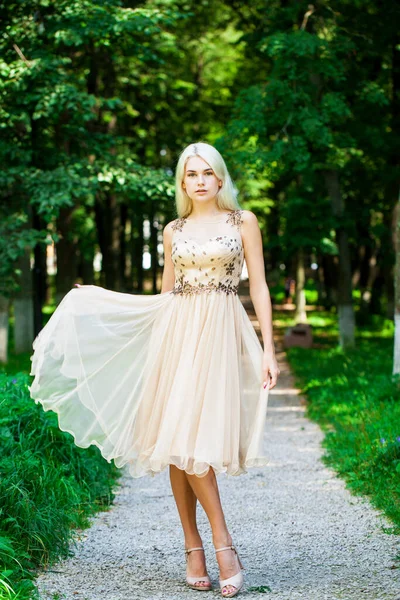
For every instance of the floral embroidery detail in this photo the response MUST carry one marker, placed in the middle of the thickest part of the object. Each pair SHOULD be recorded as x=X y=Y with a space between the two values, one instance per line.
x=185 y=288
x=235 y=218
x=178 y=224
x=230 y=268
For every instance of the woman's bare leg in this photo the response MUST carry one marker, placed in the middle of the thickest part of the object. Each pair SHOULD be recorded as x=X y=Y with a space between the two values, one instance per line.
x=206 y=491
x=186 y=502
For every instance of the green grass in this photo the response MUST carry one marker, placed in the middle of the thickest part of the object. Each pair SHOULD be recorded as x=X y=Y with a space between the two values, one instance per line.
x=325 y=329
x=356 y=401
x=311 y=292
x=48 y=488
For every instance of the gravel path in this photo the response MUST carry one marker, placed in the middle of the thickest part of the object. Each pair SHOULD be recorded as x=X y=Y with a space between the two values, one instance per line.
x=299 y=532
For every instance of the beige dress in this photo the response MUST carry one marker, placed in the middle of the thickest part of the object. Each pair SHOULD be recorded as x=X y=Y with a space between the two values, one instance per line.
x=172 y=378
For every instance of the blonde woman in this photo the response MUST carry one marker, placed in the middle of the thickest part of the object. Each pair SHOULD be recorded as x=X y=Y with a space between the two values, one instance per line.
x=177 y=379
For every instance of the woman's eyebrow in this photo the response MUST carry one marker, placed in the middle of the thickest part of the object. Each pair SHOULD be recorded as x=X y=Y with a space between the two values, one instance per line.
x=191 y=170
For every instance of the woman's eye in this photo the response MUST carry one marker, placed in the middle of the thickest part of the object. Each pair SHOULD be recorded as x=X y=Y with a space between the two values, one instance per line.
x=194 y=174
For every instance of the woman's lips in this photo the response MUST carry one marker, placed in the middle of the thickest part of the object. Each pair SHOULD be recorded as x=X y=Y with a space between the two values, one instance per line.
x=201 y=191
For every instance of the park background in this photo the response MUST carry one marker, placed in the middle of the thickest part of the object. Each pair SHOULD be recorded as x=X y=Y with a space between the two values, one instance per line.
x=98 y=98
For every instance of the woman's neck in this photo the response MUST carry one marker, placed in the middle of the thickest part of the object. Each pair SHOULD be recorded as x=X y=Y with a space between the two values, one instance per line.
x=206 y=213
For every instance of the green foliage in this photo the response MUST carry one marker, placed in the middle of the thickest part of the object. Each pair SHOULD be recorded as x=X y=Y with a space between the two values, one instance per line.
x=356 y=401
x=297 y=119
x=319 y=93
x=99 y=103
x=58 y=146
x=261 y=589
x=48 y=486
x=15 y=237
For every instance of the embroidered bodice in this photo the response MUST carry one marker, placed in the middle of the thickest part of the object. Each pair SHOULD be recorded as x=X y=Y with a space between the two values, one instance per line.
x=207 y=256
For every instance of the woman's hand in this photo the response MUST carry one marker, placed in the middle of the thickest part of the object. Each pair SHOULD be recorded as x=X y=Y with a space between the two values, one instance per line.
x=270 y=369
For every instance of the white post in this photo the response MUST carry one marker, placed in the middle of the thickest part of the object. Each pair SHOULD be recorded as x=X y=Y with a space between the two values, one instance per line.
x=4 y=305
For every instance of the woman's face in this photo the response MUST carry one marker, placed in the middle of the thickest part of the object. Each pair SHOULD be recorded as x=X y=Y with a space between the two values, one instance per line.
x=200 y=181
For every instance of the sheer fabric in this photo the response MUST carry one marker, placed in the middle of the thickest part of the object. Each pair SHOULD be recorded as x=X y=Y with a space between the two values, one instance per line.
x=173 y=378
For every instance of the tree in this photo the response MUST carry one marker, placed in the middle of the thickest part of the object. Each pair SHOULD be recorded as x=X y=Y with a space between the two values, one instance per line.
x=322 y=102
x=396 y=361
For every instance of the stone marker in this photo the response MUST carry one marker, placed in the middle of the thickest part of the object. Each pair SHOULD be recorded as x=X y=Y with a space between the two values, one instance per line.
x=299 y=335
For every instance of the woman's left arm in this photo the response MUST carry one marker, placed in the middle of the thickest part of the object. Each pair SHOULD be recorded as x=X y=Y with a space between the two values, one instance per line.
x=259 y=292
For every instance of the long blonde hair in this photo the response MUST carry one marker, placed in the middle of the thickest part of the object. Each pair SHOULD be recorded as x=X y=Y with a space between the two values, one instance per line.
x=227 y=194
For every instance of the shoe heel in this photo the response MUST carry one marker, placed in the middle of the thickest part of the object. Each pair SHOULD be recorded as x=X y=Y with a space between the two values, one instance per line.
x=240 y=562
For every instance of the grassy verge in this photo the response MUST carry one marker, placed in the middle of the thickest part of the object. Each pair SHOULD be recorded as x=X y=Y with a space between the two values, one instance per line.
x=48 y=488
x=354 y=398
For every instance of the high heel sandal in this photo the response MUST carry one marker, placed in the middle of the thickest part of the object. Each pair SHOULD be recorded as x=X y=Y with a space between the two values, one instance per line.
x=236 y=580
x=191 y=581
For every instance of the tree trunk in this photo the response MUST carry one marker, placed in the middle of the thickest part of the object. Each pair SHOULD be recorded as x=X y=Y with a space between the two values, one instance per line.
x=122 y=247
x=344 y=288
x=396 y=361
x=377 y=290
x=4 y=307
x=385 y=263
x=86 y=268
x=396 y=221
x=108 y=221
x=363 y=274
x=320 y=283
x=66 y=253
x=23 y=307
x=153 y=245
x=300 y=313
x=136 y=249
x=329 y=276
x=272 y=228
x=40 y=256
x=39 y=276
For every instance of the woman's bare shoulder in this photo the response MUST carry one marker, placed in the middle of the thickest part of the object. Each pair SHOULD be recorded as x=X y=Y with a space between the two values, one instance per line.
x=249 y=219
x=169 y=229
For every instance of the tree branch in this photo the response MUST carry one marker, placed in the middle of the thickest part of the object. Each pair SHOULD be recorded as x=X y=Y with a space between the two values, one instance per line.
x=311 y=9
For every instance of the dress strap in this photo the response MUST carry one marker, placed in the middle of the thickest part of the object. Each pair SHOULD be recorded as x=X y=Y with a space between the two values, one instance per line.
x=178 y=224
x=235 y=218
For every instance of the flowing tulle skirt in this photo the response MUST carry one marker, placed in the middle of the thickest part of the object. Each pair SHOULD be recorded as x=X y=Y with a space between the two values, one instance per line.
x=155 y=380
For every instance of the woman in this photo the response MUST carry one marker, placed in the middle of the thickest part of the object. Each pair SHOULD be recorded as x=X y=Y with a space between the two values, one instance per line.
x=176 y=379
